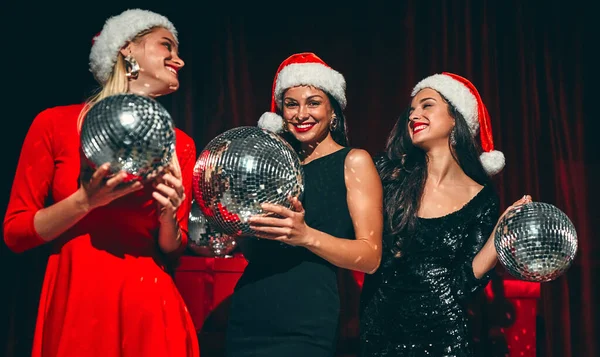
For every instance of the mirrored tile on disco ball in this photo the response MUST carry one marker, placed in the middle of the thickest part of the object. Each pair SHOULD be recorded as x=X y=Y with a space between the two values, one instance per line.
x=132 y=132
x=536 y=242
x=204 y=240
x=241 y=169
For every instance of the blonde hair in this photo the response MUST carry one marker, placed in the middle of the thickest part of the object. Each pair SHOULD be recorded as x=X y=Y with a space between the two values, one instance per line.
x=119 y=83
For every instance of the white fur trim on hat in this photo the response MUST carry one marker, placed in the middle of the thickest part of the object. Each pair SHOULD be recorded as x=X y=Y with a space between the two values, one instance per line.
x=271 y=121
x=313 y=74
x=116 y=32
x=492 y=161
x=459 y=95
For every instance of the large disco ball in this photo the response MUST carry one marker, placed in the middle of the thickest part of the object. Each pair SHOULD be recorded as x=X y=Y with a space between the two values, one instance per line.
x=134 y=133
x=536 y=242
x=204 y=240
x=238 y=171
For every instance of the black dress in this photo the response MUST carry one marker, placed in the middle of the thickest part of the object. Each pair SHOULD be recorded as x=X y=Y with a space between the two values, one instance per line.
x=286 y=303
x=414 y=305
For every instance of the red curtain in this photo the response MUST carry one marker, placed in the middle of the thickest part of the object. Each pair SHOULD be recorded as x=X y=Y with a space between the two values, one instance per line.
x=527 y=59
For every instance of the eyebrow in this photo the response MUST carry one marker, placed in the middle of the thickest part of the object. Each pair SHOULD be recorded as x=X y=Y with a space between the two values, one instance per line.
x=173 y=43
x=421 y=101
x=309 y=98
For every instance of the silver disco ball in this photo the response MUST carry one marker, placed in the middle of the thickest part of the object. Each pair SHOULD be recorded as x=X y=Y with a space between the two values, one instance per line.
x=134 y=133
x=241 y=169
x=204 y=240
x=536 y=242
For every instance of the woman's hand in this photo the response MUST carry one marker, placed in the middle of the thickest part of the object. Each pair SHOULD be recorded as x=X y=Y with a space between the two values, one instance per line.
x=288 y=227
x=523 y=200
x=169 y=194
x=99 y=190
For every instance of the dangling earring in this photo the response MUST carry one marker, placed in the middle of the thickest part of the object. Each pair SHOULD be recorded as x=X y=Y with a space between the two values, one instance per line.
x=333 y=123
x=453 y=137
x=132 y=68
x=284 y=124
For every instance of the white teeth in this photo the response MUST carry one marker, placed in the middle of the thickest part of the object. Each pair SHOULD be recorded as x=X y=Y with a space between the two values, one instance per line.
x=419 y=127
x=171 y=69
x=304 y=126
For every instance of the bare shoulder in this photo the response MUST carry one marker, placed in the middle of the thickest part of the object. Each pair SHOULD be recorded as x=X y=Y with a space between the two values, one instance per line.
x=360 y=172
x=359 y=159
x=363 y=184
x=472 y=187
x=464 y=191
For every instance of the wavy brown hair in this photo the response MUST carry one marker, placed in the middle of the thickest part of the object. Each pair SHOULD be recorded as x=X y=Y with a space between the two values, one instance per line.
x=403 y=171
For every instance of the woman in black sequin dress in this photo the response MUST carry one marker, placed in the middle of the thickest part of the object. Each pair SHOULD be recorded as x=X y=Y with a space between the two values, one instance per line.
x=440 y=214
x=286 y=303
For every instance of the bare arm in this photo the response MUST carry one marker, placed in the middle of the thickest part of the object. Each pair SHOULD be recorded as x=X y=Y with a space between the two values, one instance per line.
x=487 y=257
x=365 y=203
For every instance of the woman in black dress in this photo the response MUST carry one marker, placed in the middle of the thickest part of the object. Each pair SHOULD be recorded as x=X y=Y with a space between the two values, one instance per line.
x=286 y=303
x=440 y=214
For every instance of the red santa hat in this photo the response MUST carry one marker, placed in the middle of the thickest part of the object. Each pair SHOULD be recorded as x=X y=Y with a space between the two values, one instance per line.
x=302 y=69
x=463 y=95
x=115 y=34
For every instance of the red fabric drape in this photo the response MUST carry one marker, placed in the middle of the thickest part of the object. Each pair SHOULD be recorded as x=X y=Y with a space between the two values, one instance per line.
x=527 y=59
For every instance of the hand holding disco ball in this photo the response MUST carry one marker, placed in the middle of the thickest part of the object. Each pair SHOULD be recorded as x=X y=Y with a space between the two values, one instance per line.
x=241 y=169
x=204 y=240
x=133 y=133
x=535 y=242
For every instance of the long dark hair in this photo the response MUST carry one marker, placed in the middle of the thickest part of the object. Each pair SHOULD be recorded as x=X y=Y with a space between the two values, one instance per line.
x=403 y=171
x=339 y=133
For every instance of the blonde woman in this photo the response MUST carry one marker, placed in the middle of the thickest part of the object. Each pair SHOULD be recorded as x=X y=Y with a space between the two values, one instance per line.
x=106 y=291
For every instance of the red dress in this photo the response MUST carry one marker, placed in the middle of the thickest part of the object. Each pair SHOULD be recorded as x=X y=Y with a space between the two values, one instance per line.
x=106 y=291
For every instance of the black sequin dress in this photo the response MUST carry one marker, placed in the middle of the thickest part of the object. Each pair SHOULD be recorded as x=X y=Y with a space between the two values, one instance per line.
x=286 y=304
x=414 y=305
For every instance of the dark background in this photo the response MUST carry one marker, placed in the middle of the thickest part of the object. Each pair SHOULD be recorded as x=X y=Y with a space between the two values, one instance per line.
x=528 y=59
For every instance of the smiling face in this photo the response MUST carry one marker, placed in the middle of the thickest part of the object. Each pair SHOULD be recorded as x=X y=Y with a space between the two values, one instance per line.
x=308 y=113
x=157 y=55
x=430 y=122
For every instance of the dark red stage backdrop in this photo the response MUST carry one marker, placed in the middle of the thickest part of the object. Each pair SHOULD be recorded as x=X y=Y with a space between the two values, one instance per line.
x=526 y=59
